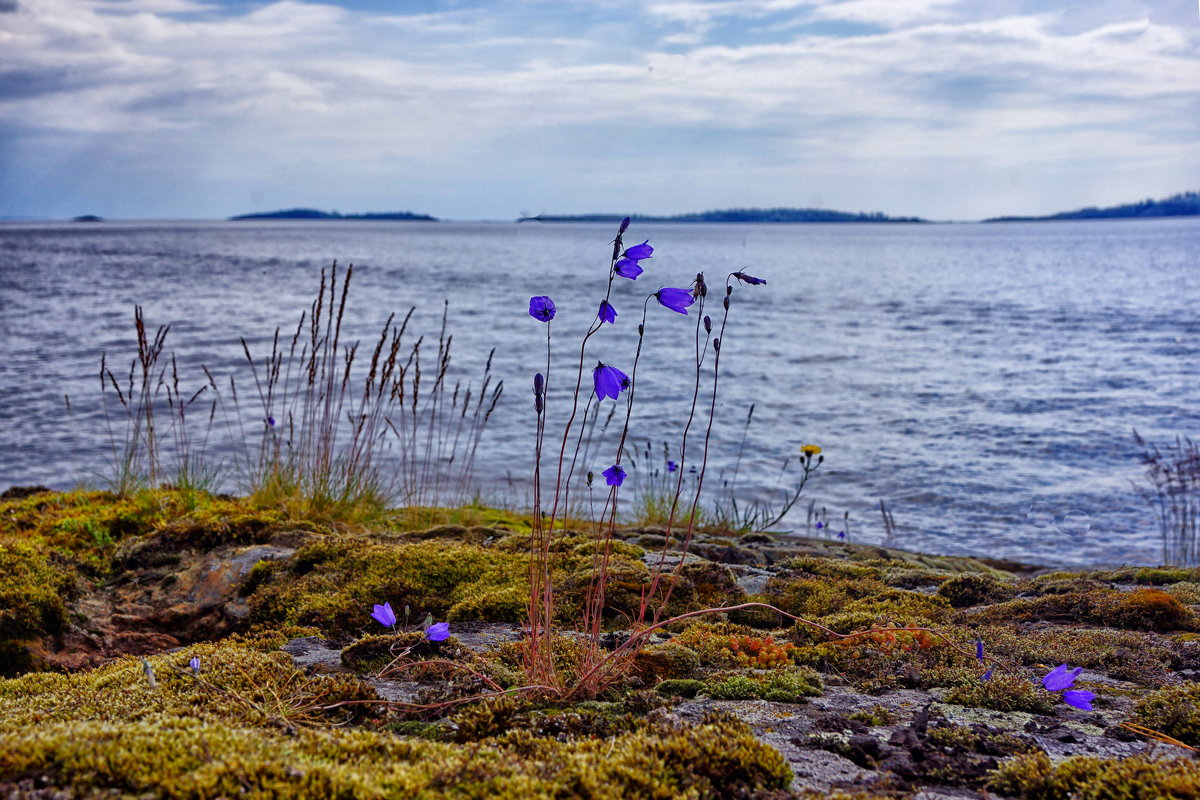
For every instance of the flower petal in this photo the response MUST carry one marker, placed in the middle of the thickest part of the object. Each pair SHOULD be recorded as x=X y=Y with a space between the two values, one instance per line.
x=628 y=268
x=1079 y=699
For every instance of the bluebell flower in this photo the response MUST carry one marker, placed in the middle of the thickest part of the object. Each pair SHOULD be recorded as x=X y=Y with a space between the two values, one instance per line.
x=672 y=466
x=607 y=312
x=677 y=300
x=438 y=632
x=194 y=663
x=609 y=381
x=628 y=268
x=384 y=615
x=614 y=475
x=841 y=535
x=541 y=308
x=987 y=676
x=1061 y=678
x=750 y=279
x=639 y=251
x=624 y=225
x=271 y=421
x=820 y=525
x=979 y=650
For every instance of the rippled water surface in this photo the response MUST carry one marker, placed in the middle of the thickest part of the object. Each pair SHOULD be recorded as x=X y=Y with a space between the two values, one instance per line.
x=982 y=380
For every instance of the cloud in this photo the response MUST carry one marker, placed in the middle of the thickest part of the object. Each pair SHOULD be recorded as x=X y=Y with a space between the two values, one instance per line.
x=298 y=93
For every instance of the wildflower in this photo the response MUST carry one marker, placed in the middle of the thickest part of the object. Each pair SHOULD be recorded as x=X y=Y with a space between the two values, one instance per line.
x=750 y=279
x=541 y=308
x=987 y=676
x=640 y=251
x=628 y=268
x=810 y=450
x=672 y=466
x=979 y=650
x=438 y=632
x=820 y=524
x=539 y=384
x=624 y=225
x=607 y=312
x=609 y=381
x=384 y=615
x=675 y=299
x=841 y=535
x=1061 y=678
x=271 y=421
x=614 y=475
x=194 y=663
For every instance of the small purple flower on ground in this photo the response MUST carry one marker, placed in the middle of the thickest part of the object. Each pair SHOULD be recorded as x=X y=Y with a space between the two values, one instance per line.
x=609 y=381
x=841 y=535
x=541 y=308
x=820 y=525
x=628 y=268
x=750 y=279
x=1079 y=699
x=1060 y=678
x=438 y=632
x=987 y=676
x=384 y=615
x=614 y=475
x=640 y=251
x=672 y=466
x=677 y=300
x=195 y=665
x=979 y=650
x=607 y=312
x=271 y=421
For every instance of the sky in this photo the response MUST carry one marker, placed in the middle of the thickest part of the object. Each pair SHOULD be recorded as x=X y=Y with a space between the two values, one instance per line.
x=482 y=109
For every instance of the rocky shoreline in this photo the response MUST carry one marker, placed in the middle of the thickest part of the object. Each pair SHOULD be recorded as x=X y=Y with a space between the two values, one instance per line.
x=99 y=593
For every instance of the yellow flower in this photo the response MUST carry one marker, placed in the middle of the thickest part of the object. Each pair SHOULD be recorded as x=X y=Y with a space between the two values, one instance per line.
x=810 y=449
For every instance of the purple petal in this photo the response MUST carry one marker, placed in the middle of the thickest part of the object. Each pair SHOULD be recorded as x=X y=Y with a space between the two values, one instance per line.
x=677 y=300
x=987 y=676
x=541 y=308
x=438 y=632
x=1059 y=678
x=672 y=466
x=607 y=312
x=607 y=380
x=624 y=225
x=1079 y=699
x=979 y=649
x=384 y=615
x=750 y=279
x=628 y=268
x=640 y=251
x=614 y=475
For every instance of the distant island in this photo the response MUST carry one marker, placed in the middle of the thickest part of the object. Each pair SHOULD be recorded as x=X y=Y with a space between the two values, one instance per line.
x=1185 y=204
x=734 y=215
x=312 y=213
x=87 y=218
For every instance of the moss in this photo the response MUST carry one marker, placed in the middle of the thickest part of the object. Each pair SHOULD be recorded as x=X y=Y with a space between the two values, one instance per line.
x=790 y=686
x=1141 y=609
x=670 y=660
x=969 y=589
x=875 y=716
x=333 y=583
x=34 y=592
x=1174 y=710
x=1003 y=693
x=680 y=687
x=1186 y=592
x=831 y=568
x=1034 y=777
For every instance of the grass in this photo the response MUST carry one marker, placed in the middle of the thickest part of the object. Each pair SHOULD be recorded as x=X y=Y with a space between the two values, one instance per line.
x=1172 y=490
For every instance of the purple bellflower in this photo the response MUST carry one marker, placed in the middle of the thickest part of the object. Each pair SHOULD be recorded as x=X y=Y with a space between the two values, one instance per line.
x=384 y=615
x=609 y=381
x=194 y=663
x=438 y=632
x=628 y=268
x=640 y=251
x=624 y=225
x=614 y=475
x=750 y=279
x=271 y=421
x=1061 y=678
x=607 y=312
x=677 y=300
x=841 y=535
x=672 y=466
x=820 y=524
x=541 y=308
x=979 y=650
x=987 y=676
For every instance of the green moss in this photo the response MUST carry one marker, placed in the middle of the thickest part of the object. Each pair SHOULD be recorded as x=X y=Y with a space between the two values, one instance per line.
x=1141 y=609
x=680 y=687
x=780 y=686
x=1034 y=777
x=1175 y=711
x=34 y=592
x=670 y=660
x=332 y=583
x=875 y=716
x=1003 y=693
x=966 y=590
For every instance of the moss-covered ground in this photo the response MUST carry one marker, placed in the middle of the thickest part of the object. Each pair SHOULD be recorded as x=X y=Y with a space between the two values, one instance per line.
x=105 y=601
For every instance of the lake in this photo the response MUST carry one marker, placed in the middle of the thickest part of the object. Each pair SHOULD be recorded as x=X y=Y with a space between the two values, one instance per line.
x=982 y=380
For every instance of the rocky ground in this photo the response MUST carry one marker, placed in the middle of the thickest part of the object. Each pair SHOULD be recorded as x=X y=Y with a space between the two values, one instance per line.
x=104 y=601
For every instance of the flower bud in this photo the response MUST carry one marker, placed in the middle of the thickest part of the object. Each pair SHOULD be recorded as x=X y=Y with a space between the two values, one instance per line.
x=641 y=330
x=725 y=302
x=590 y=477
x=624 y=225
x=716 y=344
x=728 y=290
x=539 y=405
x=539 y=385
x=707 y=324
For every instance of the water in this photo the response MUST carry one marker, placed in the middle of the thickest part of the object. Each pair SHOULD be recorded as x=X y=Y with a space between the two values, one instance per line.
x=982 y=380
